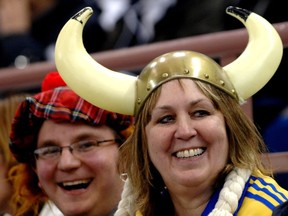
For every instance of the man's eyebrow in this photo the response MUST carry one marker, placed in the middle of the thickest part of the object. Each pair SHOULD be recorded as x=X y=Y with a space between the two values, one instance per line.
x=47 y=143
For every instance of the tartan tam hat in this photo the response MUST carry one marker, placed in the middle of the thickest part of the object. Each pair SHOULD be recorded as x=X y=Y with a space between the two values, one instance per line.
x=61 y=105
x=52 y=80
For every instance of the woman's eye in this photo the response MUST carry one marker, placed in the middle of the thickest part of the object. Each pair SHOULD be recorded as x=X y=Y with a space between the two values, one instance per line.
x=166 y=119
x=201 y=113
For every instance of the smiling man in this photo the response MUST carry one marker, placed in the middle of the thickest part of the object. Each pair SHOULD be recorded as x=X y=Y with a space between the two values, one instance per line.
x=68 y=150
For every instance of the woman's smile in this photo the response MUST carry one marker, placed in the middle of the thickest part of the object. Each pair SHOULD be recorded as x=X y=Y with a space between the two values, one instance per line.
x=187 y=153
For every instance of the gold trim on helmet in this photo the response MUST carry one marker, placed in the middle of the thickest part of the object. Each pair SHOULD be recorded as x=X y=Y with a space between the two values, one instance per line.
x=184 y=64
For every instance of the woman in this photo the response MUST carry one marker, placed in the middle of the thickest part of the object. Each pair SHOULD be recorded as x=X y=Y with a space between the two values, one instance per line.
x=68 y=152
x=193 y=150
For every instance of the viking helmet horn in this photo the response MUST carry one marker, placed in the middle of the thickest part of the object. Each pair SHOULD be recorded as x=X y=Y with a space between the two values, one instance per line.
x=114 y=91
x=259 y=61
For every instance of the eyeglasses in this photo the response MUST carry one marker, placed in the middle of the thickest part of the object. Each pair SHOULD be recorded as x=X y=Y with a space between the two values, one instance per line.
x=78 y=149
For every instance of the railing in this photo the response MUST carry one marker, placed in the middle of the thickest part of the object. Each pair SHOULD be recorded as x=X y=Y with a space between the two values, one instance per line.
x=225 y=46
x=278 y=161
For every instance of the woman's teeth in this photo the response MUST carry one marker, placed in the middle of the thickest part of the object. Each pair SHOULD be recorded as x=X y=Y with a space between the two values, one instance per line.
x=189 y=153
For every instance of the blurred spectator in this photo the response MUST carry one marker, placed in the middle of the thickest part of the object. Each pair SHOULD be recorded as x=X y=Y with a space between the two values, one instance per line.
x=189 y=18
x=146 y=21
x=134 y=22
x=29 y=28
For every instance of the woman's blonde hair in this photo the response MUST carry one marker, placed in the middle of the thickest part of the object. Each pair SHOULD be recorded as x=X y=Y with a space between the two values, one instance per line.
x=245 y=147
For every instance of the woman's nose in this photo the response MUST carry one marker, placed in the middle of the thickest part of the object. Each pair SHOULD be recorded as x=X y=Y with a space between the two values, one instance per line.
x=68 y=160
x=185 y=128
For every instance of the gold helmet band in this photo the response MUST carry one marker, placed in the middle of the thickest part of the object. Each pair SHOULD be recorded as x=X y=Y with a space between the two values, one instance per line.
x=181 y=64
x=125 y=94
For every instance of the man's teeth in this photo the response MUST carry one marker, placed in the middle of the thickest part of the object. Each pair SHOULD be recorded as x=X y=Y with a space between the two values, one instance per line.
x=189 y=153
x=75 y=183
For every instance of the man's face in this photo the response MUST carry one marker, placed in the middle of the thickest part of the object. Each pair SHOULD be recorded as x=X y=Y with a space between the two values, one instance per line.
x=80 y=183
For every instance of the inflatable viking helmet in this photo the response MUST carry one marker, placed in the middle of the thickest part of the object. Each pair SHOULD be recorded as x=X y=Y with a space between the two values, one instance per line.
x=126 y=94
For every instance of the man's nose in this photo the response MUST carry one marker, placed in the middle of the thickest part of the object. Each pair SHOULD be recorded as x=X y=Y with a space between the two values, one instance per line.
x=67 y=160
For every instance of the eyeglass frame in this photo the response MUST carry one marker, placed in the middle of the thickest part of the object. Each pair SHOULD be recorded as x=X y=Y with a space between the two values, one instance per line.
x=39 y=152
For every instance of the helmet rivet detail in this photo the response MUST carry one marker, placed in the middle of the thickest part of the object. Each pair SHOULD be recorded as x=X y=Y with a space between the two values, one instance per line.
x=138 y=100
x=148 y=87
x=186 y=71
x=164 y=75
x=206 y=76
x=222 y=83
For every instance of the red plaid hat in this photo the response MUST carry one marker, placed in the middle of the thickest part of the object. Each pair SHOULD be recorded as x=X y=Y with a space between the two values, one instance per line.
x=52 y=80
x=59 y=104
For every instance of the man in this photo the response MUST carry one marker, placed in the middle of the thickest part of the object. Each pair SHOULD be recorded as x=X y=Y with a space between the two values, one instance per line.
x=68 y=150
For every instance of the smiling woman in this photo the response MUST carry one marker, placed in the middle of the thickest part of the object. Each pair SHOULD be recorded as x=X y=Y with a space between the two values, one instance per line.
x=67 y=151
x=193 y=150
